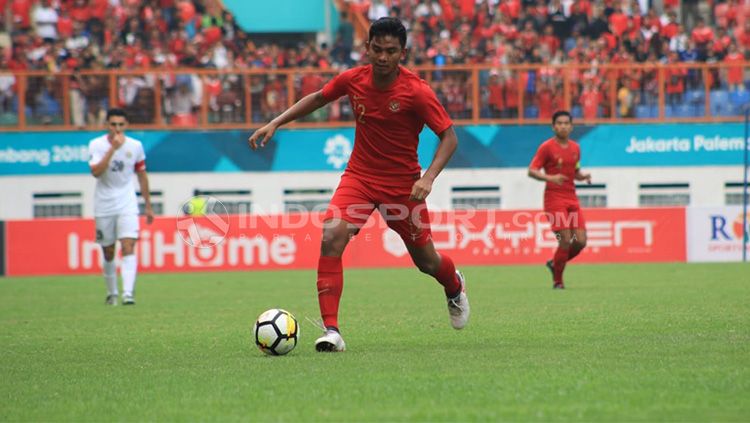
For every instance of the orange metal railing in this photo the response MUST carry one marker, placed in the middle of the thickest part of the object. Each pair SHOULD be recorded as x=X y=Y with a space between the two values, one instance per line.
x=481 y=94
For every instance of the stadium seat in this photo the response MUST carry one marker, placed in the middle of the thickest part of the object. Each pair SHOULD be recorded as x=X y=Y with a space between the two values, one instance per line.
x=669 y=111
x=699 y=110
x=683 y=111
x=728 y=109
x=653 y=110
x=695 y=96
x=642 y=112
x=740 y=98
x=531 y=112
x=577 y=112
x=719 y=101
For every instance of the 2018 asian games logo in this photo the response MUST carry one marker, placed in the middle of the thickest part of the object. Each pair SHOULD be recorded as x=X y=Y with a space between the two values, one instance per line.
x=203 y=222
x=721 y=230
x=338 y=149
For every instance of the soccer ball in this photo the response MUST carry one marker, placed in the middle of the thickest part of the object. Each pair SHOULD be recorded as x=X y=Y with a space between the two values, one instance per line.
x=276 y=332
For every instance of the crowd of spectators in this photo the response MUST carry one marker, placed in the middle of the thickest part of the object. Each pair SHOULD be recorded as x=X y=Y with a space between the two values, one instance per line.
x=82 y=35
x=579 y=32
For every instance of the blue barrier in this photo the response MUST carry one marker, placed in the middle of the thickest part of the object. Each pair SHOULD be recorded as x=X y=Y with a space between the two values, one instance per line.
x=480 y=146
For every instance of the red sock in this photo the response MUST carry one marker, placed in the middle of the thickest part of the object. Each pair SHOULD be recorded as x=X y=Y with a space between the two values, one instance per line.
x=575 y=249
x=330 y=285
x=446 y=275
x=561 y=256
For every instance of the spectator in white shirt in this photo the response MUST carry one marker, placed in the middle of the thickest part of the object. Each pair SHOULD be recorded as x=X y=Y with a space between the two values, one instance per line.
x=45 y=19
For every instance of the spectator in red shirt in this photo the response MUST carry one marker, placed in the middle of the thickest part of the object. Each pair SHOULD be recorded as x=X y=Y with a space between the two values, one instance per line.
x=742 y=35
x=675 y=81
x=671 y=28
x=99 y=8
x=80 y=11
x=618 y=22
x=496 y=98
x=510 y=8
x=590 y=99
x=511 y=97
x=549 y=41
x=721 y=43
x=528 y=37
x=21 y=12
x=702 y=35
x=734 y=76
x=546 y=100
x=64 y=24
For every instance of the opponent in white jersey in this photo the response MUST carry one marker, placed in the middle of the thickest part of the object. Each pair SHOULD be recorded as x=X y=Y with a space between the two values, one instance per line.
x=114 y=160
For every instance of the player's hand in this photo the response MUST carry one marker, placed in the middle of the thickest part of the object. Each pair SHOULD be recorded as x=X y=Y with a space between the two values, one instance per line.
x=421 y=189
x=557 y=179
x=118 y=140
x=585 y=177
x=260 y=137
x=149 y=212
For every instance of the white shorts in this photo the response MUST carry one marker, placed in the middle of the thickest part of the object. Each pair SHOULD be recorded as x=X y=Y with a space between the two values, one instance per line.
x=111 y=228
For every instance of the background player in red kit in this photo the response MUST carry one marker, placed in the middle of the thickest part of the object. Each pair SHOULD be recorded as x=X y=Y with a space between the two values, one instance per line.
x=391 y=106
x=560 y=158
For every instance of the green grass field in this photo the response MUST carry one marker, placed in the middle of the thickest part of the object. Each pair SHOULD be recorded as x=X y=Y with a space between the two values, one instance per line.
x=622 y=343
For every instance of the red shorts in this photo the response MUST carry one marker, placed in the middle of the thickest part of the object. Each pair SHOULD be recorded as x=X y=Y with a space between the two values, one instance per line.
x=355 y=200
x=564 y=214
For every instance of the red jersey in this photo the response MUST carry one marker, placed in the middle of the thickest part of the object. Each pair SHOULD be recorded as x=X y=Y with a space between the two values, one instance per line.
x=554 y=159
x=388 y=123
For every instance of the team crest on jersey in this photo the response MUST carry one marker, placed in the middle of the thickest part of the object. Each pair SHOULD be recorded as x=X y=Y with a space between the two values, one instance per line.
x=559 y=162
x=394 y=106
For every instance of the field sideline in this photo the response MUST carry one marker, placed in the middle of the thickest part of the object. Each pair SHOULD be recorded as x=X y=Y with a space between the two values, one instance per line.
x=624 y=342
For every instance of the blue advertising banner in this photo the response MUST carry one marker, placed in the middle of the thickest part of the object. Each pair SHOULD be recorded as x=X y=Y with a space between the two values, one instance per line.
x=664 y=145
x=482 y=146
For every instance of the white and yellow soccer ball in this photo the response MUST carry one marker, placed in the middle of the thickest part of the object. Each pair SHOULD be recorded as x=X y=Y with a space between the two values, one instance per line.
x=276 y=332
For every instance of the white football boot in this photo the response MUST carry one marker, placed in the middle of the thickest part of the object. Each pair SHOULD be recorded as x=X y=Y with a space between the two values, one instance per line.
x=458 y=306
x=331 y=341
x=128 y=299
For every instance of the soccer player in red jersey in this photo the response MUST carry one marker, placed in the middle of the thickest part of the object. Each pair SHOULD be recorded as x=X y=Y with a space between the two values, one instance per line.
x=391 y=106
x=560 y=158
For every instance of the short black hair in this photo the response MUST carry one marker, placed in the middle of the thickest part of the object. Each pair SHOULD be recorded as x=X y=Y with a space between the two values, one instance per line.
x=116 y=112
x=561 y=113
x=388 y=26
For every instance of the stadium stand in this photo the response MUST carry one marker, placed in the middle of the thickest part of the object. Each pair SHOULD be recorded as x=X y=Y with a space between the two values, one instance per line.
x=604 y=59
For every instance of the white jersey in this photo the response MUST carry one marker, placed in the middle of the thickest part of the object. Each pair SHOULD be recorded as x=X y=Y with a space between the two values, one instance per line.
x=115 y=188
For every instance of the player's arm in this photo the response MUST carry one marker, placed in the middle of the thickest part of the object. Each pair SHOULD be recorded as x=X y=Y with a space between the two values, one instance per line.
x=304 y=107
x=537 y=174
x=581 y=175
x=97 y=169
x=146 y=194
x=536 y=166
x=447 y=146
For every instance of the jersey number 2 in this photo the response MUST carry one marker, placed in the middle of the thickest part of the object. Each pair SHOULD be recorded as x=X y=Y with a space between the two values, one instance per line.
x=359 y=109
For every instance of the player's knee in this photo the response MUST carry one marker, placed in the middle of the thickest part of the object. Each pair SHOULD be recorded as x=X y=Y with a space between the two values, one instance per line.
x=109 y=253
x=128 y=248
x=565 y=243
x=332 y=243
